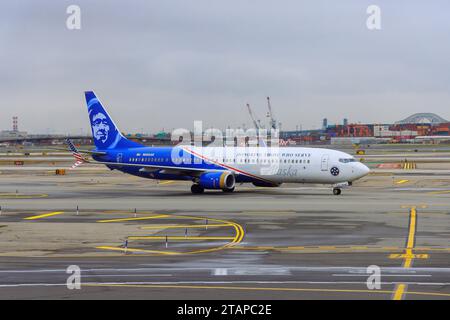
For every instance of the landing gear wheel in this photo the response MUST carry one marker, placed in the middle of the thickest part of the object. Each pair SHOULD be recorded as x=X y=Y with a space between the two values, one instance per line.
x=228 y=190
x=336 y=191
x=196 y=189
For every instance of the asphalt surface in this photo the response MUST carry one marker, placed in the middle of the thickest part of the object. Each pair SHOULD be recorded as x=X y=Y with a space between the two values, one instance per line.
x=293 y=242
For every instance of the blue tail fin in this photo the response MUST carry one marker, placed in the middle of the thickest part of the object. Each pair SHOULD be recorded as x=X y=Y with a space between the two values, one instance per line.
x=104 y=131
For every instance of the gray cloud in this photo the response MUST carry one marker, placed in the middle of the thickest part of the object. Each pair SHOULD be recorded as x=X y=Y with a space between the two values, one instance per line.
x=163 y=64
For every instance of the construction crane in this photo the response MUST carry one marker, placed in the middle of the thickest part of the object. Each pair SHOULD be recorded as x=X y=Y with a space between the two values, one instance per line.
x=273 y=122
x=258 y=126
x=256 y=123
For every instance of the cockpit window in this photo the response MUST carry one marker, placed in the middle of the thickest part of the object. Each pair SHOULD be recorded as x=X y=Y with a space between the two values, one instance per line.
x=347 y=160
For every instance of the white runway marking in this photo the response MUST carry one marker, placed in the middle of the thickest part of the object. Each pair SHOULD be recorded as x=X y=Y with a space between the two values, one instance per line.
x=354 y=270
x=220 y=282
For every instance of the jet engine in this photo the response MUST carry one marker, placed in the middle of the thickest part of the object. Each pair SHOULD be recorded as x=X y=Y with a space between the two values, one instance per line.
x=217 y=180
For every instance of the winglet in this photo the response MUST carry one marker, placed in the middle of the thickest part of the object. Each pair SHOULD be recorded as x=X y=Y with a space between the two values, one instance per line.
x=78 y=157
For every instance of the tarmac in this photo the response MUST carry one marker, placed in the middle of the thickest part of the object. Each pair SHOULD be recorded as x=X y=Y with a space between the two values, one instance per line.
x=138 y=239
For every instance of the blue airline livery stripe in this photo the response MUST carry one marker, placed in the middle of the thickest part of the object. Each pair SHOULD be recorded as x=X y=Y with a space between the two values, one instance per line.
x=228 y=167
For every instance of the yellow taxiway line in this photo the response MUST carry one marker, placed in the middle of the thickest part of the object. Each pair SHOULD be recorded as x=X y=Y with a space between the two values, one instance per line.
x=239 y=236
x=204 y=226
x=177 y=238
x=51 y=214
x=21 y=196
x=399 y=292
x=324 y=290
x=166 y=182
x=124 y=212
x=439 y=192
x=236 y=288
x=411 y=238
x=347 y=249
x=237 y=239
x=133 y=219
x=400 y=289
x=409 y=165
x=402 y=181
x=122 y=249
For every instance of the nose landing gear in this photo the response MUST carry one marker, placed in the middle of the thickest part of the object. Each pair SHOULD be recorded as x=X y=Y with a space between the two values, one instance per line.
x=337 y=188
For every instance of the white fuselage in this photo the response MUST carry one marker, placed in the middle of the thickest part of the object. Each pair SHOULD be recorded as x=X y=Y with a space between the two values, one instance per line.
x=285 y=164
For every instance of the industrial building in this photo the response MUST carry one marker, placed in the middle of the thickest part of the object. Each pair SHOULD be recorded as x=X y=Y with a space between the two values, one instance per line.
x=415 y=128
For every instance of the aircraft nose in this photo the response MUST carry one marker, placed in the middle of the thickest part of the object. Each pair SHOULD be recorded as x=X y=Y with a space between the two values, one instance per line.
x=362 y=170
x=366 y=169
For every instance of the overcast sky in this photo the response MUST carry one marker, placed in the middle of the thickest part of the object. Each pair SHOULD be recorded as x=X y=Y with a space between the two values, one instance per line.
x=164 y=64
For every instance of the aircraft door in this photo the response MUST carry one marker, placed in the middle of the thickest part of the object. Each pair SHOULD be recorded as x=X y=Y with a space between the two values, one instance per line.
x=324 y=162
x=119 y=157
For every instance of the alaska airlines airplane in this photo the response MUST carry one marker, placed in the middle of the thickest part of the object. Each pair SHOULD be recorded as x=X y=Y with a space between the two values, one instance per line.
x=218 y=168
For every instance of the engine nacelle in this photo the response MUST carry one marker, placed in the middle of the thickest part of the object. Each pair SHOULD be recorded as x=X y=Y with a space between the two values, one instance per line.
x=217 y=180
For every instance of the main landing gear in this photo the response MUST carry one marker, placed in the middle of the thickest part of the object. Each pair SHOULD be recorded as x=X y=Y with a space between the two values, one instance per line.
x=336 y=191
x=196 y=189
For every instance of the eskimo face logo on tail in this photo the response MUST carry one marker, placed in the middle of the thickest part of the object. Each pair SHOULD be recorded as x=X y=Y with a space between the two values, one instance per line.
x=100 y=127
x=103 y=130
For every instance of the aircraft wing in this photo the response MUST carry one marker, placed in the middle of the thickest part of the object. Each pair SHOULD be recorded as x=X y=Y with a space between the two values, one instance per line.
x=164 y=169
x=143 y=167
x=97 y=153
